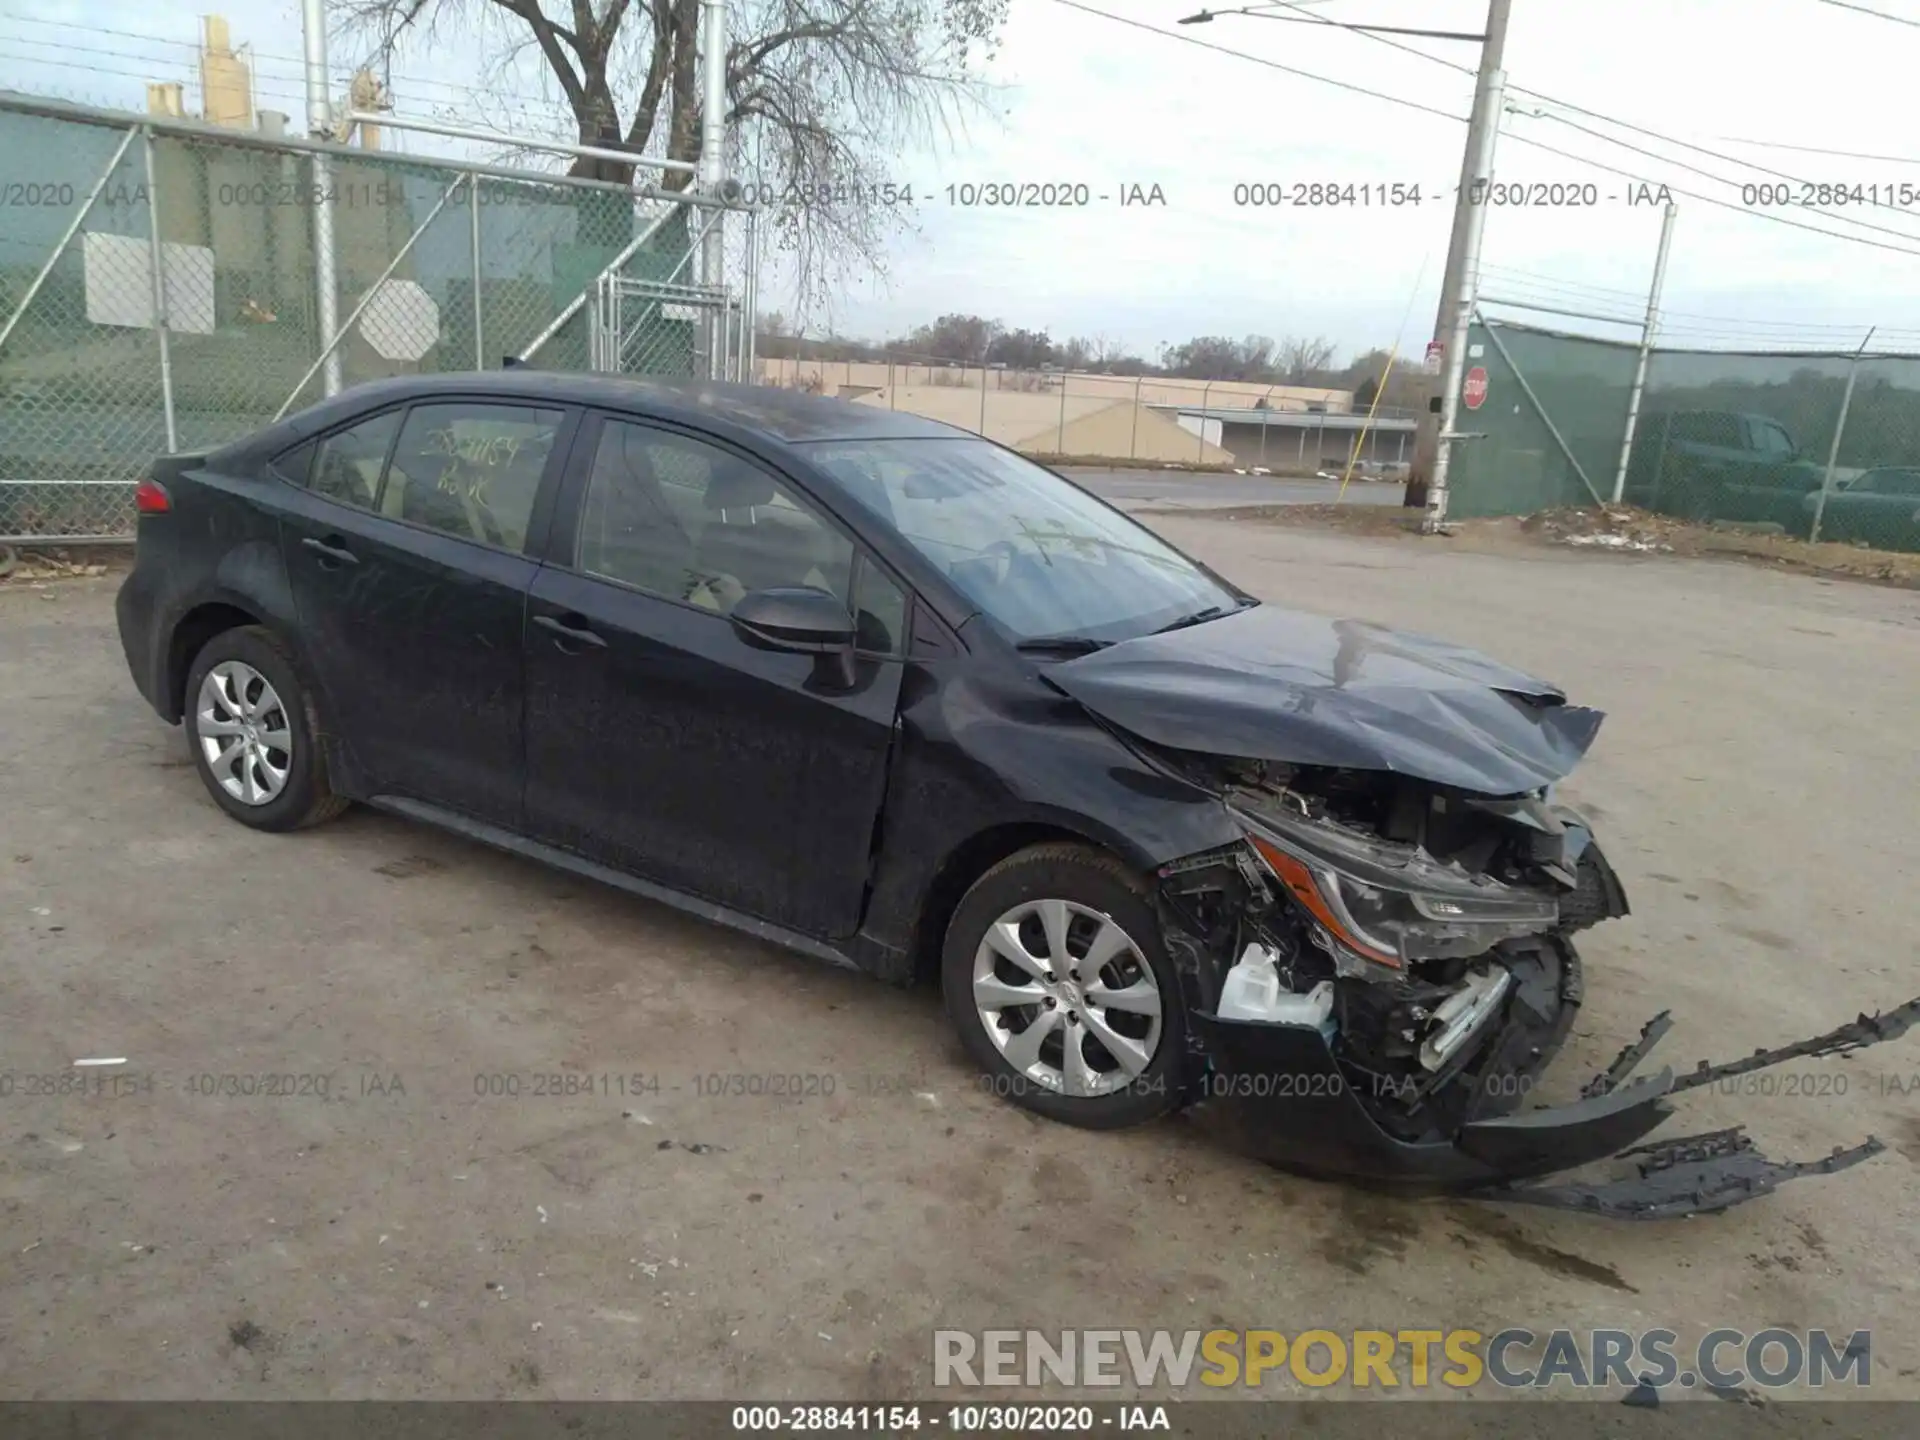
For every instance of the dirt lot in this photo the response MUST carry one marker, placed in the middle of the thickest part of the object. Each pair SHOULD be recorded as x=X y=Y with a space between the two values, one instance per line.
x=409 y=1237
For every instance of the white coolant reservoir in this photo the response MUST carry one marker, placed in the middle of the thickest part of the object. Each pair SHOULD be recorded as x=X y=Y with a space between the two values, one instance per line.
x=1253 y=992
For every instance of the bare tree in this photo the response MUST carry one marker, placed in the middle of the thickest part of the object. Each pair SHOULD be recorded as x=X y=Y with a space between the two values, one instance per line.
x=1298 y=360
x=822 y=95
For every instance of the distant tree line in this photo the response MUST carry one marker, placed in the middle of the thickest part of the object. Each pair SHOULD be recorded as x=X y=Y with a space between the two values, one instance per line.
x=972 y=340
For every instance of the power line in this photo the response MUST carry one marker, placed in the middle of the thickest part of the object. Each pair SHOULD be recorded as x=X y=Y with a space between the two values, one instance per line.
x=1536 y=286
x=1819 y=150
x=1725 y=180
x=1877 y=14
x=296 y=63
x=1528 y=140
x=1262 y=60
x=1623 y=124
x=1708 y=199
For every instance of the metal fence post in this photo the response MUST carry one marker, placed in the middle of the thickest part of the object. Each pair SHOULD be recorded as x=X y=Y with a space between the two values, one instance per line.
x=1833 y=450
x=1060 y=443
x=1133 y=443
x=1646 y=351
x=479 y=326
x=1200 y=452
x=313 y=29
x=157 y=269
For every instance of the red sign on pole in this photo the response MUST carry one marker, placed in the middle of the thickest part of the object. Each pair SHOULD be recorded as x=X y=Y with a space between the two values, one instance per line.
x=1474 y=392
x=1436 y=352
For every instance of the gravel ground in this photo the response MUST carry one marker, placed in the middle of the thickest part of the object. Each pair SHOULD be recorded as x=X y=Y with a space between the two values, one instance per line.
x=411 y=1234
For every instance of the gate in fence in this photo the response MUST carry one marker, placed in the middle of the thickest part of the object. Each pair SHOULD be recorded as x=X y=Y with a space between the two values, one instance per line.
x=158 y=290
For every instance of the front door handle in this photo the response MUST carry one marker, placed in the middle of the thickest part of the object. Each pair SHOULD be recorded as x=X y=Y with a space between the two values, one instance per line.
x=573 y=629
x=331 y=551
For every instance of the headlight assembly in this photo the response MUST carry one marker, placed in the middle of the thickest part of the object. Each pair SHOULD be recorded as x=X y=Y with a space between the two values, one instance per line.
x=1390 y=904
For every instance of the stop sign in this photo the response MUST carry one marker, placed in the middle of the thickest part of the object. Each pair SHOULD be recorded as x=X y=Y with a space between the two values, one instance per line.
x=1474 y=392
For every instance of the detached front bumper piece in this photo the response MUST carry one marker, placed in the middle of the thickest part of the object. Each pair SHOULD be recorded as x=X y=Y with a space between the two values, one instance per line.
x=1280 y=1094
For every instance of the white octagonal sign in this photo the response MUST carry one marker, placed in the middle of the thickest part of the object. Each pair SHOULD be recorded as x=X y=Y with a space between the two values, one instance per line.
x=402 y=322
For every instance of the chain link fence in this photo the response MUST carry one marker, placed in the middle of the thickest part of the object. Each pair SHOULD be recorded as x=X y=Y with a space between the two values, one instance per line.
x=159 y=291
x=1152 y=420
x=1814 y=445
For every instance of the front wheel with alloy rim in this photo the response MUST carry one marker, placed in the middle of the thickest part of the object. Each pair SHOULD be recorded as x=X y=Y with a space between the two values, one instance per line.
x=251 y=727
x=1055 y=975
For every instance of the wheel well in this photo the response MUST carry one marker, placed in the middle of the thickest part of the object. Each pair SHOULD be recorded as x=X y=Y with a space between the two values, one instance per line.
x=195 y=629
x=971 y=859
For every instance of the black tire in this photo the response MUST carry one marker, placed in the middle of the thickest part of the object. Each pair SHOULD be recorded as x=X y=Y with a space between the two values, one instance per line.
x=1086 y=877
x=306 y=798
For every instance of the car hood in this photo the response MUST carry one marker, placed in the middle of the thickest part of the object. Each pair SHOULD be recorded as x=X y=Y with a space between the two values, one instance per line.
x=1267 y=683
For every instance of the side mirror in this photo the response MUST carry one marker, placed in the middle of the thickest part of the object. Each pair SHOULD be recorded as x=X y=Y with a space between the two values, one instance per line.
x=795 y=618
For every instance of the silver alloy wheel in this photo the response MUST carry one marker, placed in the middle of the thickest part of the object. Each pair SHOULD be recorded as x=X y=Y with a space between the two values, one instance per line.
x=244 y=733
x=1067 y=997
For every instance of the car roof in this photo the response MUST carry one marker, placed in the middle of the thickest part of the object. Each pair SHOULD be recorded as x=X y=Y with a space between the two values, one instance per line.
x=765 y=411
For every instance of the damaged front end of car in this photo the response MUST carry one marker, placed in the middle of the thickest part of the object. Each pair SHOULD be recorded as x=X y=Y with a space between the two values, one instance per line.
x=1380 y=972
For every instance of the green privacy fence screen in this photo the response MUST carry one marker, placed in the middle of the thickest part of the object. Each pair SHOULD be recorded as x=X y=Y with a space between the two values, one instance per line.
x=1720 y=437
x=486 y=264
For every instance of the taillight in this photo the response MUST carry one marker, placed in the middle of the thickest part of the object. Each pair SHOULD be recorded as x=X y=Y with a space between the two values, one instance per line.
x=150 y=498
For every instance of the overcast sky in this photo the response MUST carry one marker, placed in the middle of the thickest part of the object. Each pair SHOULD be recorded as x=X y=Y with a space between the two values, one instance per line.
x=1082 y=98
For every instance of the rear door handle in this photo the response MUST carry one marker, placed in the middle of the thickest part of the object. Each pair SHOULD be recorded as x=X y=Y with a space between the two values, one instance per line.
x=577 y=631
x=330 y=550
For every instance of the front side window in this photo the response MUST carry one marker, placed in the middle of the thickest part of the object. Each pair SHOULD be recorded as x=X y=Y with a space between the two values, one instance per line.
x=687 y=520
x=471 y=469
x=1036 y=553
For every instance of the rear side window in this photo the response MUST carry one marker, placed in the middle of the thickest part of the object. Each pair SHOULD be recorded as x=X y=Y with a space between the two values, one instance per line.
x=471 y=469
x=348 y=464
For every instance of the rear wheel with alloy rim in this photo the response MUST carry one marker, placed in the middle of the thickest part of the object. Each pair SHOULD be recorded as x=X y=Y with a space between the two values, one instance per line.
x=252 y=729
x=1054 y=973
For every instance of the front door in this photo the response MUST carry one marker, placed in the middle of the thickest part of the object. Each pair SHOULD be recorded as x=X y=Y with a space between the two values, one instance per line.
x=407 y=551
x=659 y=741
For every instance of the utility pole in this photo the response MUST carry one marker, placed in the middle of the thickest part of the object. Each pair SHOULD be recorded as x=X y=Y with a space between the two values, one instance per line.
x=1426 y=448
x=1455 y=356
x=1646 y=350
x=313 y=28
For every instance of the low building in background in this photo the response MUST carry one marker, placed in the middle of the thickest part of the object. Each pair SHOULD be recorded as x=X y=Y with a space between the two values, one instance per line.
x=1038 y=423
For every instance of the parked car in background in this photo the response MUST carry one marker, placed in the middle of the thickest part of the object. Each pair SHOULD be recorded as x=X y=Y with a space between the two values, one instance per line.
x=1881 y=508
x=1720 y=465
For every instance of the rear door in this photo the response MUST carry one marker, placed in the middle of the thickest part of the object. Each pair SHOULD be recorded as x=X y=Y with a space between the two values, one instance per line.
x=410 y=550
x=660 y=742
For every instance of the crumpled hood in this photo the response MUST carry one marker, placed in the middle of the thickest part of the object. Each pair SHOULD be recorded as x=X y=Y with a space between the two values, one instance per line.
x=1269 y=683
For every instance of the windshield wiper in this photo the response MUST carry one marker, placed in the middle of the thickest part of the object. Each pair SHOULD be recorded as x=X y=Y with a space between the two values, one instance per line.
x=1199 y=617
x=1062 y=645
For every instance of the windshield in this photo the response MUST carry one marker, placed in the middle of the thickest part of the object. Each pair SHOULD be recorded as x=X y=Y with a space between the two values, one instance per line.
x=1037 y=554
